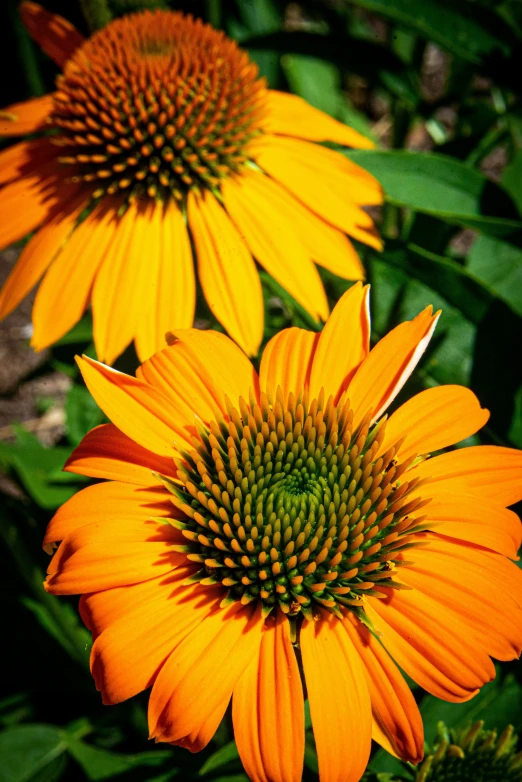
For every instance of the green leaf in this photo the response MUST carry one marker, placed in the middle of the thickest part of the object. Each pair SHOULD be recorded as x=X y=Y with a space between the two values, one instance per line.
x=31 y=752
x=451 y=280
x=35 y=465
x=443 y=187
x=512 y=178
x=99 y=763
x=226 y=754
x=81 y=332
x=499 y=265
x=82 y=414
x=460 y=27
x=54 y=624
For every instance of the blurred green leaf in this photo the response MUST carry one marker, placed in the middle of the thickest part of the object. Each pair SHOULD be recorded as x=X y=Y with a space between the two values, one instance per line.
x=498 y=703
x=260 y=17
x=461 y=27
x=82 y=414
x=512 y=178
x=499 y=265
x=30 y=752
x=53 y=623
x=233 y=778
x=99 y=763
x=443 y=187
x=515 y=429
x=221 y=757
x=35 y=465
x=365 y=58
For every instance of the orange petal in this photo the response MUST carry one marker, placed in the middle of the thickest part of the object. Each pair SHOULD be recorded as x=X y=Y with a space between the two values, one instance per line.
x=394 y=707
x=469 y=517
x=388 y=366
x=203 y=671
x=108 y=502
x=30 y=116
x=422 y=639
x=434 y=419
x=99 y=610
x=170 y=279
x=480 y=609
x=343 y=343
x=204 y=733
x=55 y=35
x=24 y=158
x=122 y=291
x=339 y=700
x=100 y=565
x=286 y=362
x=321 y=180
x=65 y=290
x=127 y=657
x=273 y=240
x=198 y=370
x=268 y=710
x=505 y=575
x=105 y=452
x=227 y=272
x=38 y=254
x=32 y=200
x=136 y=408
x=290 y=115
x=489 y=471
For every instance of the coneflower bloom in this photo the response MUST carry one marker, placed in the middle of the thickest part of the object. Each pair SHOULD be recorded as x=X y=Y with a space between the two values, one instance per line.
x=253 y=523
x=161 y=139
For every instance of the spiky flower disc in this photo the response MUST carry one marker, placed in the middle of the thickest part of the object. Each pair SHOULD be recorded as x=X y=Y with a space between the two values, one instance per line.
x=155 y=103
x=472 y=755
x=293 y=505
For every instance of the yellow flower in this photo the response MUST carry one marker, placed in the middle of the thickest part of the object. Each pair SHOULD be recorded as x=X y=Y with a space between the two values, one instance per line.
x=250 y=521
x=164 y=141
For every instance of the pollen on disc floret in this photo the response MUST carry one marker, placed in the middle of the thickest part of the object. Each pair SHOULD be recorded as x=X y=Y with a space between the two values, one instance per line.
x=155 y=103
x=290 y=504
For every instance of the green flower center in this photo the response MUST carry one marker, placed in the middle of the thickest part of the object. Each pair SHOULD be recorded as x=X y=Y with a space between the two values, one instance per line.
x=472 y=755
x=291 y=504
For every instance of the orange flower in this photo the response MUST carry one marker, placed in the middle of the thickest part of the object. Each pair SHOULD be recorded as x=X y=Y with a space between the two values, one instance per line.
x=247 y=517
x=162 y=133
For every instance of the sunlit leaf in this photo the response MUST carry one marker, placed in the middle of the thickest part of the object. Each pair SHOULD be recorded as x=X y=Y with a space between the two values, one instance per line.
x=443 y=187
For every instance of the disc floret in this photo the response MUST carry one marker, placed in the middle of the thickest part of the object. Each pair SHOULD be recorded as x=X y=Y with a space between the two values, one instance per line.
x=154 y=104
x=472 y=754
x=287 y=502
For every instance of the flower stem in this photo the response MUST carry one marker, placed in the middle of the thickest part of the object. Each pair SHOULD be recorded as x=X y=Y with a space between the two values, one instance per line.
x=96 y=13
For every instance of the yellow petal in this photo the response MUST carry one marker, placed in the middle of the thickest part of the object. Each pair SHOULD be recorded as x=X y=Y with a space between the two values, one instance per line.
x=290 y=115
x=227 y=272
